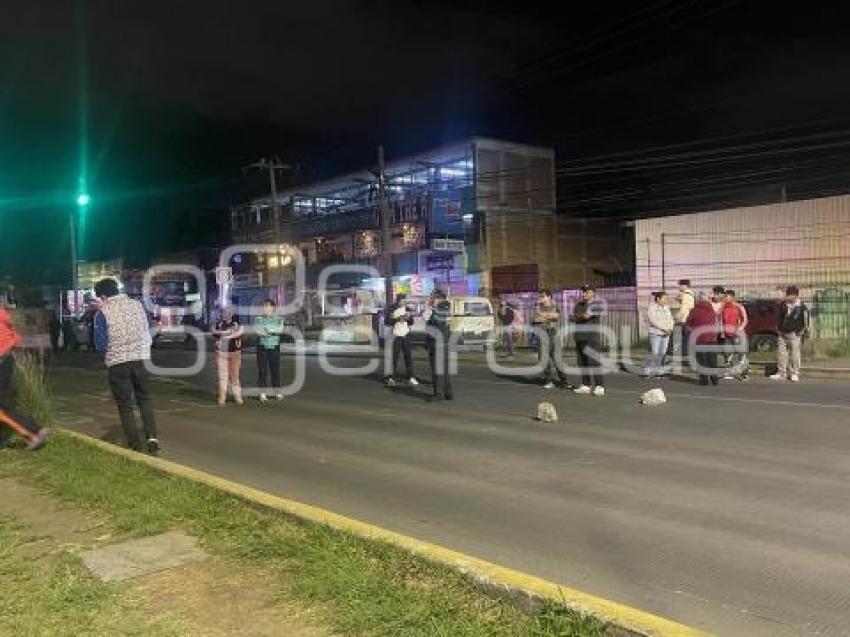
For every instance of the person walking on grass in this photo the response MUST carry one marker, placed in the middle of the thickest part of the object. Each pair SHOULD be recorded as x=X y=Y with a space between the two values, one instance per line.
x=587 y=316
x=269 y=328
x=122 y=336
x=792 y=327
x=660 y=321
x=399 y=319
x=548 y=318
x=228 y=336
x=13 y=421
x=734 y=320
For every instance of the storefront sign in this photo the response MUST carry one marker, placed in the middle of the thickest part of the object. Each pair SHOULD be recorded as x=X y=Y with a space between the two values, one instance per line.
x=243 y=281
x=439 y=262
x=447 y=245
x=411 y=209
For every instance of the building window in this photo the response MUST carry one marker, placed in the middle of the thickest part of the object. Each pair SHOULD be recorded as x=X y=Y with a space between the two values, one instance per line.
x=366 y=244
x=412 y=235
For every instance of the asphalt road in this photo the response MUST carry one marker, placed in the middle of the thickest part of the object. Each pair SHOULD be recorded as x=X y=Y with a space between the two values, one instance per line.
x=726 y=509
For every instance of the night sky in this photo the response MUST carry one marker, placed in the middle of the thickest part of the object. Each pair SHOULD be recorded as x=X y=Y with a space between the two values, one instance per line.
x=652 y=107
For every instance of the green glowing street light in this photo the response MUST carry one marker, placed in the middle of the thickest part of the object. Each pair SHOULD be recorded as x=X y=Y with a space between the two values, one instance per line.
x=83 y=200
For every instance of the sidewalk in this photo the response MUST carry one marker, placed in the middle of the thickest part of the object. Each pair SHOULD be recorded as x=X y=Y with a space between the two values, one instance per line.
x=824 y=368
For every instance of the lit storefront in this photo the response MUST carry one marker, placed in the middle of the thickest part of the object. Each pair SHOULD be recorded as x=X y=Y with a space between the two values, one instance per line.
x=446 y=194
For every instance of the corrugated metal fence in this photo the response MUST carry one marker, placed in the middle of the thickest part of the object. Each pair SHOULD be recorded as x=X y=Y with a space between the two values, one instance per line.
x=757 y=251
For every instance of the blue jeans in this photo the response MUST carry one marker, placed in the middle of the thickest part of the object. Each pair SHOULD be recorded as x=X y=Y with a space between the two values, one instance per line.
x=658 y=344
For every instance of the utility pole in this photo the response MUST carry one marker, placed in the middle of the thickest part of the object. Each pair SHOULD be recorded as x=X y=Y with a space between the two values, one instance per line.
x=75 y=273
x=83 y=200
x=386 y=235
x=275 y=204
x=272 y=165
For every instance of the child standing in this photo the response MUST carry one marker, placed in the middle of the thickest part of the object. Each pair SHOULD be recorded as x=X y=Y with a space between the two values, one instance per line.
x=269 y=328
x=228 y=336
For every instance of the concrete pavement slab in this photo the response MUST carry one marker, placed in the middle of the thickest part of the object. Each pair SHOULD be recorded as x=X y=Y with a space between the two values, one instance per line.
x=134 y=558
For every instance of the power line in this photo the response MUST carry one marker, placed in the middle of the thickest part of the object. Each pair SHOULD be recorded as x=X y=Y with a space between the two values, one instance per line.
x=600 y=37
x=696 y=142
x=708 y=155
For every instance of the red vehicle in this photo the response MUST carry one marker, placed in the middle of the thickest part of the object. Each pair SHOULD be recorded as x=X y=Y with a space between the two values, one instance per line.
x=763 y=318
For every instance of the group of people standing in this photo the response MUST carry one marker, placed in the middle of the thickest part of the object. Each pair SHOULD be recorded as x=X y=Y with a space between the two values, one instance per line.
x=229 y=335
x=586 y=318
x=122 y=337
x=718 y=324
x=437 y=317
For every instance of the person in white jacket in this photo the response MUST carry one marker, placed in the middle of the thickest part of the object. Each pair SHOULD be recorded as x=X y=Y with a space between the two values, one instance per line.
x=660 y=321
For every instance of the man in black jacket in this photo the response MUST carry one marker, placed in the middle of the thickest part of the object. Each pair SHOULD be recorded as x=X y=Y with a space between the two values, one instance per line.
x=793 y=325
x=587 y=315
x=438 y=341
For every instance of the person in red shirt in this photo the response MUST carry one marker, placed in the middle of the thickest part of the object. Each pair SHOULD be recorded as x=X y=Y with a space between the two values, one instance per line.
x=10 y=418
x=705 y=328
x=735 y=319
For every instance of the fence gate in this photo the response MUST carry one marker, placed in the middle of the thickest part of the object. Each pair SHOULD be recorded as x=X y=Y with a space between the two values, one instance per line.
x=831 y=314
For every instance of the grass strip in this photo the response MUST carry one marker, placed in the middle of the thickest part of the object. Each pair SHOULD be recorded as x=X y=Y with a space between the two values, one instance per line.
x=360 y=587
x=55 y=596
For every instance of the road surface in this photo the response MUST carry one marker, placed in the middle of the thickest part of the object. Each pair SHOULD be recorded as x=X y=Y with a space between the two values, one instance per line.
x=727 y=509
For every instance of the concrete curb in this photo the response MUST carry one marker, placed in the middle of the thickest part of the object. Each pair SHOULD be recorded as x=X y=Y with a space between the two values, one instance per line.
x=494 y=578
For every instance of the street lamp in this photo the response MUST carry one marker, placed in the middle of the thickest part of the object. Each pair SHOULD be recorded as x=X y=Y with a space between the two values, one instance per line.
x=83 y=200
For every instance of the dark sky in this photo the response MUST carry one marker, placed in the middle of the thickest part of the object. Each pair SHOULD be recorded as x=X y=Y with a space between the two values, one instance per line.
x=179 y=95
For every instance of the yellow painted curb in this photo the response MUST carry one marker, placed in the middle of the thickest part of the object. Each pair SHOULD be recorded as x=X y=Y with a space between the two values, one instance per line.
x=492 y=575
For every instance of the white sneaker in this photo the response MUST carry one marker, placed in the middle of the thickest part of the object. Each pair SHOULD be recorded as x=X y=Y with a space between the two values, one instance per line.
x=263 y=398
x=777 y=377
x=598 y=391
x=794 y=378
x=413 y=382
x=279 y=396
x=391 y=382
x=728 y=377
x=549 y=385
x=584 y=389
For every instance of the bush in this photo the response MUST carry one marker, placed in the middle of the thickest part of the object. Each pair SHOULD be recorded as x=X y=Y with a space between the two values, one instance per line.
x=839 y=349
x=32 y=391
